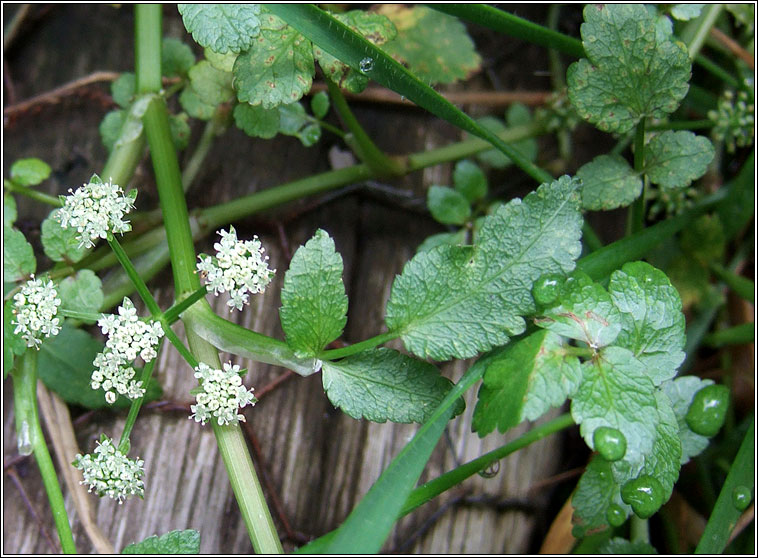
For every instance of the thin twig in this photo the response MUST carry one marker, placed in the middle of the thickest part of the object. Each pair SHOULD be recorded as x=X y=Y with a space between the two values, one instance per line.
x=11 y=472
x=15 y=24
x=555 y=479
x=747 y=516
x=733 y=46
x=286 y=375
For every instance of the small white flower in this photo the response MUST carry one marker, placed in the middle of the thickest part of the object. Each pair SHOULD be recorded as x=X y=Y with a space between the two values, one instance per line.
x=108 y=471
x=35 y=308
x=240 y=267
x=128 y=337
x=222 y=395
x=95 y=209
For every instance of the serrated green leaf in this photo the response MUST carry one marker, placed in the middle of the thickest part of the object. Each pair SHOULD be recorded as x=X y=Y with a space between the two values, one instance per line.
x=516 y=115
x=470 y=180
x=675 y=159
x=82 y=292
x=173 y=542
x=617 y=545
x=222 y=27
x=256 y=121
x=374 y=27
x=616 y=392
x=455 y=301
x=314 y=303
x=435 y=46
x=608 y=182
x=524 y=381
x=212 y=86
x=681 y=391
x=277 y=69
x=65 y=366
x=12 y=344
x=630 y=72
x=595 y=493
x=458 y=237
x=651 y=317
x=585 y=312
x=382 y=384
x=30 y=172
x=448 y=206
x=180 y=130
x=194 y=105
x=176 y=57
x=123 y=89
x=686 y=12
x=110 y=127
x=9 y=209
x=320 y=104
x=58 y=243
x=18 y=255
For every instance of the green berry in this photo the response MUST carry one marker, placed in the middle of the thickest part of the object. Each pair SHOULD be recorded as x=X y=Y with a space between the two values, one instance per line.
x=741 y=497
x=708 y=410
x=609 y=443
x=615 y=515
x=547 y=288
x=644 y=494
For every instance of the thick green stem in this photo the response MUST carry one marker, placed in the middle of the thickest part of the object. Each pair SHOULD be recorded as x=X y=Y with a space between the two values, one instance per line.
x=334 y=354
x=32 y=440
x=131 y=418
x=230 y=439
x=378 y=161
x=637 y=210
x=31 y=193
x=697 y=30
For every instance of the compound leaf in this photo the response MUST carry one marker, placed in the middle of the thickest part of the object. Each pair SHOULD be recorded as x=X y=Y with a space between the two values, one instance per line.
x=675 y=159
x=651 y=317
x=524 y=381
x=277 y=69
x=455 y=301
x=58 y=243
x=383 y=384
x=314 y=303
x=631 y=71
x=222 y=27
x=18 y=255
x=435 y=46
x=173 y=542
x=608 y=182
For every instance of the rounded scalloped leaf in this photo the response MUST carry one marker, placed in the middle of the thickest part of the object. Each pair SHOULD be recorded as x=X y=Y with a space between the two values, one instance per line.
x=222 y=27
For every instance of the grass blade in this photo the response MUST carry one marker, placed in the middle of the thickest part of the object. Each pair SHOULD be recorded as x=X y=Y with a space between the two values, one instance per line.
x=342 y=42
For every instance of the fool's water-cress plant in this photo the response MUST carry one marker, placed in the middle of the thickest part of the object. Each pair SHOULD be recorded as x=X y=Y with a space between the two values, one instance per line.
x=505 y=283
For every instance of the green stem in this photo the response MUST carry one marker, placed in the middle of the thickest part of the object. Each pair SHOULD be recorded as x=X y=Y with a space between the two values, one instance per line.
x=718 y=71
x=736 y=335
x=637 y=210
x=32 y=440
x=230 y=439
x=696 y=31
x=334 y=354
x=131 y=418
x=639 y=530
x=380 y=164
x=177 y=343
x=745 y=288
x=703 y=124
x=435 y=487
x=173 y=313
x=214 y=127
x=77 y=315
x=31 y=193
x=134 y=276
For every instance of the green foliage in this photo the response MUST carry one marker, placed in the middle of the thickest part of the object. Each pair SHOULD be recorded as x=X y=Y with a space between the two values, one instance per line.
x=524 y=381
x=470 y=180
x=123 y=89
x=644 y=494
x=173 y=542
x=516 y=115
x=277 y=69
x=29 y=172
x=194 y=105
x=617 y=545
x=448 y=206
x=222 y=27
x=685 y=12
x=13 y=345
x=596 y=494
x=320 y=104
x=58 y=243
x=458 y=237
x=382 y=384
x=82 y=292
x=10 y=213
x=18 y=255
x=547 y=289
x=631 y=71
x=110 y=127
x=675 y=159
x=176 y=57
x=681 y=391
x=608 y=182
x=212 y=86
x=455 y=301
x=435 y=46
x=65 y=366
x=256 y=121
x=314 y=303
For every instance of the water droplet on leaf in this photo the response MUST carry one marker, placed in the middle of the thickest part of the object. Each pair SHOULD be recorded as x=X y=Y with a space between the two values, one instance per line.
x=615 y=515
x=741 y=497
x=708 y=410
x=644 y=494
x=547 y=288
x=610 y=443
x=366 y=64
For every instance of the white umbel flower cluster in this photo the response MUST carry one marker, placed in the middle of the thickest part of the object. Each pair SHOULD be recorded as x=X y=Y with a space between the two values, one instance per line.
x=109 y=472
x=35 y=308
x=128 y=337
x=222 y=394
x=96 y=209
x=240 y=267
